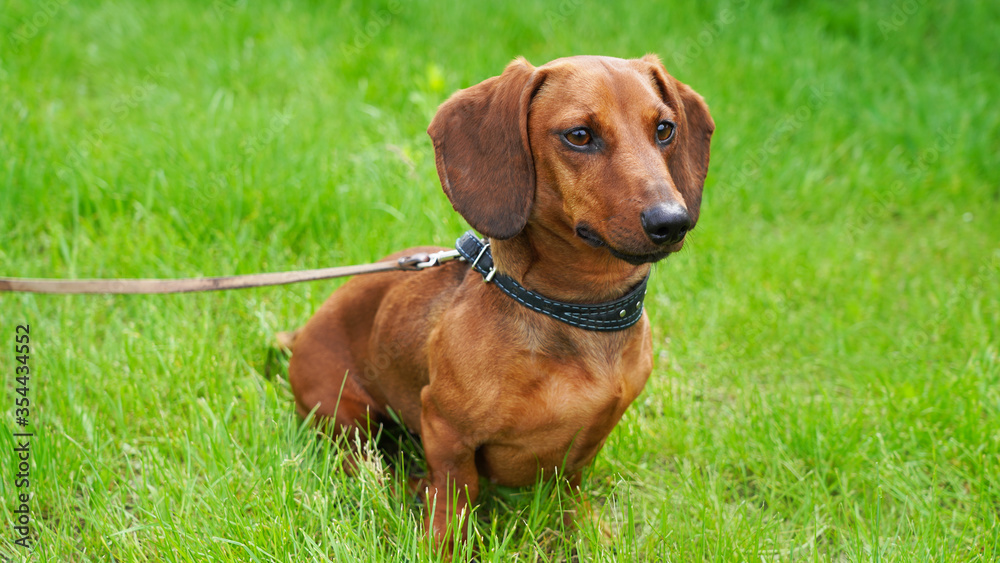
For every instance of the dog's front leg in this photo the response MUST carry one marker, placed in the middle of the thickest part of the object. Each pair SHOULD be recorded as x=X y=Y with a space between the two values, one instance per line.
x=454 y=480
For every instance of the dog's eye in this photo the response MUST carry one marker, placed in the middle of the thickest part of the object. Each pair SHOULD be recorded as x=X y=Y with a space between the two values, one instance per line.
x=579 y=137
x=665 y=132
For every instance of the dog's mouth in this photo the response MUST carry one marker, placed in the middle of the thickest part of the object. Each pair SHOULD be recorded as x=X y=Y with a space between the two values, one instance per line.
x=593 y=239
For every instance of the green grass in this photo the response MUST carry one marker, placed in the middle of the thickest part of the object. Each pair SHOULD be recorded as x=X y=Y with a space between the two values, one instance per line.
x=827 y=385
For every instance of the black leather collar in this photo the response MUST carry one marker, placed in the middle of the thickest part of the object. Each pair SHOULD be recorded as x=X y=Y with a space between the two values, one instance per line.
x=610 y=315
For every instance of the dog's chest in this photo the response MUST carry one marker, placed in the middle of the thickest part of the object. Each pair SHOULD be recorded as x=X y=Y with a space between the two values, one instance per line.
x=562 y=419
x=580 y=398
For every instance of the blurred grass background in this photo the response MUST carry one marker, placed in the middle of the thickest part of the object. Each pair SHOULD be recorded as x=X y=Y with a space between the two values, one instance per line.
x=828 y=380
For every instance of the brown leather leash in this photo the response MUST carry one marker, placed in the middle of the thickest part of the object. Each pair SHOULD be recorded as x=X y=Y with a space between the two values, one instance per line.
x=147 y=286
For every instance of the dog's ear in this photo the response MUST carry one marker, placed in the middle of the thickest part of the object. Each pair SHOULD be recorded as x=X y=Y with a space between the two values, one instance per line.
x=688 y=162
x=482 y=153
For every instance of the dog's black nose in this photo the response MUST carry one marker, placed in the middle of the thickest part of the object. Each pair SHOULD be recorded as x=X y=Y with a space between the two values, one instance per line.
x=666 y=223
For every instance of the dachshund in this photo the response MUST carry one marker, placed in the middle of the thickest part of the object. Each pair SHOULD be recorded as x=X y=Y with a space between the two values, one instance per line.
x=516 y=363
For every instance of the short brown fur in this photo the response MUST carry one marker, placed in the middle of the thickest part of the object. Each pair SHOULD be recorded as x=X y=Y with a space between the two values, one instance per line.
x=494 y=389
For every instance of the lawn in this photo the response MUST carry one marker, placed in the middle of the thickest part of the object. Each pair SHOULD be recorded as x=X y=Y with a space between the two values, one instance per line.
x=827 y=385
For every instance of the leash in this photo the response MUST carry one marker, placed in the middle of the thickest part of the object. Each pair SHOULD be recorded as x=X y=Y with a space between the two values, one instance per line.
x=415 y=262
x=617 y=314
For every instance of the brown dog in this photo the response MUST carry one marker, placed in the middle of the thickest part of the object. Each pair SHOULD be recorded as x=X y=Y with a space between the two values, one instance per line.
x=582 y=173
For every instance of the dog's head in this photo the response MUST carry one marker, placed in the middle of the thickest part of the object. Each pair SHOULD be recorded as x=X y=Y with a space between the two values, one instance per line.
x=608 y=153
